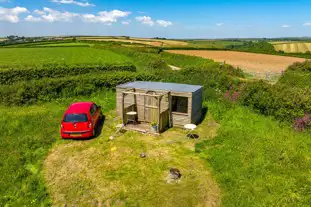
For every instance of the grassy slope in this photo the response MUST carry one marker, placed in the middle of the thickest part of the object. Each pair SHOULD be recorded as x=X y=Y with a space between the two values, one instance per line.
x=27 y=133
x=11 y=57
x=256 y=161
x=113 y=174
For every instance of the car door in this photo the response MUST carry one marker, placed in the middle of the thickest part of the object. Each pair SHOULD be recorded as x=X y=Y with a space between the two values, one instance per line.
x=95 y=114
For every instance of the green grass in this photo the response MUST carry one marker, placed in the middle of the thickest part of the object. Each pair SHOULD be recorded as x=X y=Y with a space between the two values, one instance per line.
x=27 y=133
x=71 y=44
x=23 y=57
x=256 y=161
x=220 y=44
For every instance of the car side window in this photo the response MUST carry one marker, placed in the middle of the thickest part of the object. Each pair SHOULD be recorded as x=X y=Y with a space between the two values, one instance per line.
x=93 y=109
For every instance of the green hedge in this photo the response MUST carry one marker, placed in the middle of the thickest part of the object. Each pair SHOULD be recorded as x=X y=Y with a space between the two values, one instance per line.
x=297 y=75
x=47 y=89
x=281 y=101
x=10 y=76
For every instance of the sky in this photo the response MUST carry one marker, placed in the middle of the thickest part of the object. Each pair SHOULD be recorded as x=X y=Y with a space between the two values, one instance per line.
x=156 y=18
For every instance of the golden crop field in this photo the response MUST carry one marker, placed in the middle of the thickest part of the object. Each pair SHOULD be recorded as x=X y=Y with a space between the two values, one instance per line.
x=292 y=47
x=249 y=62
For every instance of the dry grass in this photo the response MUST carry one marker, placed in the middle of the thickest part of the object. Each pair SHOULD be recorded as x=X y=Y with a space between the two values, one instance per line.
x=110 y=173
x=250 y=62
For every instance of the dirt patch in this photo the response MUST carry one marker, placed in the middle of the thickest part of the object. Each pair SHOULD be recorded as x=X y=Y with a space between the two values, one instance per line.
x=250 y=62
x=100 y=172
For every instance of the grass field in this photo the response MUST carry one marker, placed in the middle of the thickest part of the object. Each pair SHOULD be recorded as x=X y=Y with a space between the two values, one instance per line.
x=72 y=44
x=220 y=44
x=15 y=57
x=27 y=133
x=257 y=161
x=292 y=47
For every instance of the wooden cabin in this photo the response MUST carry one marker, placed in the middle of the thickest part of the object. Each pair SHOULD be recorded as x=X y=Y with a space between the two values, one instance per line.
x=163 y=104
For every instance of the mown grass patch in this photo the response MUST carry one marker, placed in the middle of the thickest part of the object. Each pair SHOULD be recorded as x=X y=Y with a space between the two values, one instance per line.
x=23 y=57
x=102 y=172
x=256 y=161
x=27 y=133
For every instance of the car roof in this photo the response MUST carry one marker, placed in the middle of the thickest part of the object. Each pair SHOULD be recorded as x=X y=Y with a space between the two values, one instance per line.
x=79 y=107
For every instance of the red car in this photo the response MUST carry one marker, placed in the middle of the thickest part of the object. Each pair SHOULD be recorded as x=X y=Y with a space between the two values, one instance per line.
x=81 y=120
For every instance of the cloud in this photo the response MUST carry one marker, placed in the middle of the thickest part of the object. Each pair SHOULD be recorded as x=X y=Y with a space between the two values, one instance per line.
x=50 y=15
x=11 y=15
x=145 y=20
x=31 y=18
x=307 y=24
x=164 y=23
x=219 y=24
x=285 y=26
x=126 y=22
x=78 y=3
x=107 y=17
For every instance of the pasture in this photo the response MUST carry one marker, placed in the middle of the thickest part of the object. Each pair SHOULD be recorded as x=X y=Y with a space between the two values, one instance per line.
x=22 y=57
x=219 y=44
x=249 y=62
x=293 y=47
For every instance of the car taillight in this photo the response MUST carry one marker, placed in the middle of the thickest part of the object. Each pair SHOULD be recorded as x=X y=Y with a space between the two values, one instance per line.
x=90 y=125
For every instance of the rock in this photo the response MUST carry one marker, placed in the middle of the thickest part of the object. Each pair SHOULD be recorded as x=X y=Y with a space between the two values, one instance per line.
x=174 y=173
x=142 y=155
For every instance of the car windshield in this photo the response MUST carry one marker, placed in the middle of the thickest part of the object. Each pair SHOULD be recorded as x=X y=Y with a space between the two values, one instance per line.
x=75 y=118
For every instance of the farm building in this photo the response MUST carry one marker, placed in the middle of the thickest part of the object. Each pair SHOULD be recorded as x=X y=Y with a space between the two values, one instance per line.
x=161 y=104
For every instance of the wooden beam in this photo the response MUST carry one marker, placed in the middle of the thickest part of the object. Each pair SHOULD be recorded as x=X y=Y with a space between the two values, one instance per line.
x=159 y=113
x=170 y=109
x=143 y=94
x=122 y=109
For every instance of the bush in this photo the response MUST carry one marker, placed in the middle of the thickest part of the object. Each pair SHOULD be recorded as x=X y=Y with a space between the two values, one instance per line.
x=57 y=70
x=47 y=89
x=281 y=101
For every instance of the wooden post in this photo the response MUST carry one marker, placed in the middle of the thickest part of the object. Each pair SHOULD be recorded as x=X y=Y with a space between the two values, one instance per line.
x=170 y=109
x=159 y=113
x=122 y=108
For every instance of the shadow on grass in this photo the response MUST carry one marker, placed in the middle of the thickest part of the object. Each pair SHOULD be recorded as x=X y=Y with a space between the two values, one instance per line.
x=204 y=113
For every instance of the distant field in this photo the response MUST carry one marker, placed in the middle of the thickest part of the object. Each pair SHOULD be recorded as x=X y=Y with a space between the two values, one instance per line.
x=32 y=56
x=145 y=41
x=212 y=43
x=71 y=44
x=250 y=62
x=292 y=47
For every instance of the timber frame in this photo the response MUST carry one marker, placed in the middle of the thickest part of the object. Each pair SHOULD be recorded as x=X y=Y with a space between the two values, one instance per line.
x=158 y=96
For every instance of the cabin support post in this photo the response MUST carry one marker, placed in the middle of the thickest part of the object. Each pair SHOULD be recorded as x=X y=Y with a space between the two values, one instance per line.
x=170 y=109
x=159 y=113
x=122 y=109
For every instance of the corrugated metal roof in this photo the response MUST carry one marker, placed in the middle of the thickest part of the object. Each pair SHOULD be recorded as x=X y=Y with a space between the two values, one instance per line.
x=161 y=86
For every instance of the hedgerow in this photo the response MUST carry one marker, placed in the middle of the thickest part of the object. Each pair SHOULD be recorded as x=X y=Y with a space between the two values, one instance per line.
x=281 y=101
x=47 y=89
x=11 y=76
x=297 y=75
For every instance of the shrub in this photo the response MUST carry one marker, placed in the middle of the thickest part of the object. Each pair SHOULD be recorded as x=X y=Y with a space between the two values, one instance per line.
x=301 y=124
x=47 y=89
x=281 y=101
x=56 y=70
